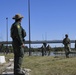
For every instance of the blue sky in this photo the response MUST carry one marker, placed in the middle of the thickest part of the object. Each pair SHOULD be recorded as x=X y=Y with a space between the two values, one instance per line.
x=50 y=19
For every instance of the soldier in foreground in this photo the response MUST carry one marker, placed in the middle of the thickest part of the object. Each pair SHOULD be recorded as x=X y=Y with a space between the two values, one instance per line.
x=17 y=35
x=66 y=42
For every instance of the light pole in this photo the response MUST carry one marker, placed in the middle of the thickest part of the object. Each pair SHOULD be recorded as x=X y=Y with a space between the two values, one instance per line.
x=29 y=27
x=7 y=34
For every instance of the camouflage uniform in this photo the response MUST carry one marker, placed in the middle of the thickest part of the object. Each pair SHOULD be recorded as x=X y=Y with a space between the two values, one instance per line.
x=66 y=42
x=17 y=37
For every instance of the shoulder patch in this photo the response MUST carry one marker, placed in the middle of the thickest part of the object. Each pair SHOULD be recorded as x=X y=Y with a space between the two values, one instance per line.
x=18 y=26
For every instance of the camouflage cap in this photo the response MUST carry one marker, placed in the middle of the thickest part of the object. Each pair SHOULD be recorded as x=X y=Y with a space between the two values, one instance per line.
x=17 y=16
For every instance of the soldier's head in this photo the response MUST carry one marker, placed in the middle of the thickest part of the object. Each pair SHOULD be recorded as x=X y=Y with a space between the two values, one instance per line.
x=66 y=35
x=18 y=17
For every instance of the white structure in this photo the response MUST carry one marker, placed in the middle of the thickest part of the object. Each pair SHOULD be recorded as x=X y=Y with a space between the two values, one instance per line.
x=2 y=59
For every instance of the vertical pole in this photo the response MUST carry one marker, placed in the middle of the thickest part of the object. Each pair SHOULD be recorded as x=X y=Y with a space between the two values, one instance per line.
x=45 y=36
x=29 y=27
x=7 y=34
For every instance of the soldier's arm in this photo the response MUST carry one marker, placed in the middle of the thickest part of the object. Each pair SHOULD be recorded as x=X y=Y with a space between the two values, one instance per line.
x=63 y=41
x=69 y=41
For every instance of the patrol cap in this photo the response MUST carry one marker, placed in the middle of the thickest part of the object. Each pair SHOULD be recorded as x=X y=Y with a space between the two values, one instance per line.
x=66 y=35
x=17 y=16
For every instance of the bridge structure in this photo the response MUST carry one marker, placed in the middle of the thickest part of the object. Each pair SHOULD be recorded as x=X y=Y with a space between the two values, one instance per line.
x=40 y=42
x=37 y=41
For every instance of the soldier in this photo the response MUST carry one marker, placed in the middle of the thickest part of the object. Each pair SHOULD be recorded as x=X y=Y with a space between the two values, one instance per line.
x=44 y=49
x=66 y=42
x=17 y=35
x=44 y=45
x=48 y=50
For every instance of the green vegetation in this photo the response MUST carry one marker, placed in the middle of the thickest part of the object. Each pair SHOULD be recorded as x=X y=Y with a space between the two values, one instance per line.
x=48 y=65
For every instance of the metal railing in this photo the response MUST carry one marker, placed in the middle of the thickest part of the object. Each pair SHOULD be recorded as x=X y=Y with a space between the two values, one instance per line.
x=37 y=42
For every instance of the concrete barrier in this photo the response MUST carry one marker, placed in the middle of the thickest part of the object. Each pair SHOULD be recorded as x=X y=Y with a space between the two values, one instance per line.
x=2 y=59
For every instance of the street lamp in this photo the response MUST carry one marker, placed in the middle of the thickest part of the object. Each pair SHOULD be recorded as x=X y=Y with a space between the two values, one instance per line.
x=7 y=34
x=7 y=27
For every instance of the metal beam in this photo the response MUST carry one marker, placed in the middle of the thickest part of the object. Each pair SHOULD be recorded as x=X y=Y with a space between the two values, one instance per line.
x=37 y=42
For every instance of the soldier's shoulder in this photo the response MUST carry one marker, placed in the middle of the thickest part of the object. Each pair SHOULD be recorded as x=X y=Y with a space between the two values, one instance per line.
x=13 y=26
x=16 y=24
x=68 y=38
